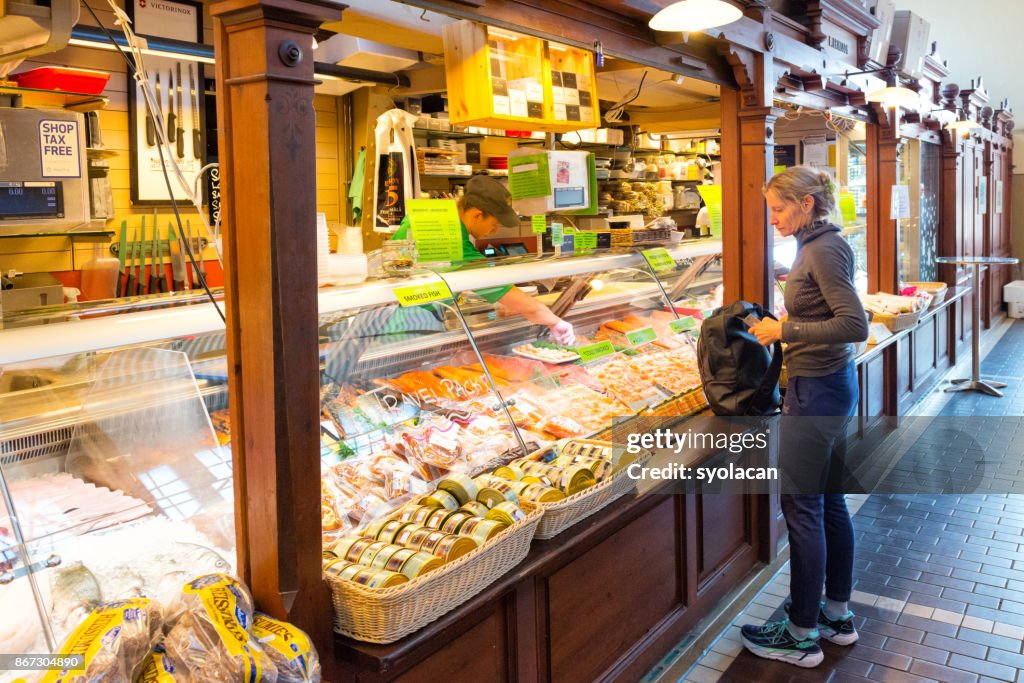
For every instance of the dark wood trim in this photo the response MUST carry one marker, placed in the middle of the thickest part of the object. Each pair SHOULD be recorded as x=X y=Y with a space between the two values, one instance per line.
x=266 y=134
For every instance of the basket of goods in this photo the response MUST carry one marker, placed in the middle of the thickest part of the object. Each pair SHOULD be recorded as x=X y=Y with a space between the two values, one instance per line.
x=435 y=553
x=569 y=481
x=895 y=312
x=936 y=289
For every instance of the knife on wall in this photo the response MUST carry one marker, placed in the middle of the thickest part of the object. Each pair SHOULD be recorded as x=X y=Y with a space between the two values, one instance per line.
x=154 y=276
x=197 y=136
x=177 y=260
x=140 y=255
x=158 y=114
x=150 y=130
x=121 y=257
x=129 y=251
x=172 y=126
x=180 y=132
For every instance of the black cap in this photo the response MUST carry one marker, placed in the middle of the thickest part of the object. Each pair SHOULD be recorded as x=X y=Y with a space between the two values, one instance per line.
x=491 y=197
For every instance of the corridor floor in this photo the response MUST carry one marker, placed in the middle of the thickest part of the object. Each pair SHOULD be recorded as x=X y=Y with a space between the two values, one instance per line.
x=939 y=579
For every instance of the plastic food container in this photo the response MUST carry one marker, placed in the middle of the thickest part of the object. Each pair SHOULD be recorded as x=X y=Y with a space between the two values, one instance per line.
x=85 y=81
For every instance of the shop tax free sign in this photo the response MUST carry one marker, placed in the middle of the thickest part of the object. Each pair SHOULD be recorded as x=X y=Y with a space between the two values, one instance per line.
x=59 y=153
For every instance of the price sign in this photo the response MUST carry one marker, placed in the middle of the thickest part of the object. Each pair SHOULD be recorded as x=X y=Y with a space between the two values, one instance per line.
x=683 y=324
x=415 y=295
x=539 y=223
x=642 y=336
x=586 y=240
x=594 y=351
x=659 y=259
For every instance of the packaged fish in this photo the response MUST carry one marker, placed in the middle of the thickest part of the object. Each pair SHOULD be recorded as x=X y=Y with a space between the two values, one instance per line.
x=113 y=640
x=212 y=639
x=290 y=648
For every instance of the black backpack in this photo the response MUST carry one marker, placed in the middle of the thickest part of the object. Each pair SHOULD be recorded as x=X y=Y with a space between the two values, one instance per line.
x=740 y=376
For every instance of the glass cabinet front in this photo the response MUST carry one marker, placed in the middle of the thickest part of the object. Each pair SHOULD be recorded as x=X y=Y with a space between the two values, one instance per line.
x=921 y=173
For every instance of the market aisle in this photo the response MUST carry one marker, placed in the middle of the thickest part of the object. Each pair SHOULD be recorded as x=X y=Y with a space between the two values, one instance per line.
x=939 y=579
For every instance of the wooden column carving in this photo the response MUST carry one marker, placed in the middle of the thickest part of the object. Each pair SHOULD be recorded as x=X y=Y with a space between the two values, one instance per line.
x=266 y=131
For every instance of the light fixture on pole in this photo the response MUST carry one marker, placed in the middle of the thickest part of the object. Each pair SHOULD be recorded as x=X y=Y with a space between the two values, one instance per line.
x=961 y=124
x=694 y=15
x=892 y=94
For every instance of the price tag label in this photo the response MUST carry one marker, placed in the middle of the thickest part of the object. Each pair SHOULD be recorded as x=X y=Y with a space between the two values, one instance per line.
x=569 y=230
x=556 y=233
x=659 y=259
x=642 y=336
x=683 y=324
x=539 y=223
x=586 y=240
x=594 y=351
x=415 y=295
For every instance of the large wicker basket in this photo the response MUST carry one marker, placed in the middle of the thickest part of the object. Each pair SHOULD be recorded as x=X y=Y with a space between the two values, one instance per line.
x=388 y=614
x=561 y=515
x=936 y=289
x=896 y=323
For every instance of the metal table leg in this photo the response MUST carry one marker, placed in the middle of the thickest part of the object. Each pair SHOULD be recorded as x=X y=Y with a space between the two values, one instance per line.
x=976 y=383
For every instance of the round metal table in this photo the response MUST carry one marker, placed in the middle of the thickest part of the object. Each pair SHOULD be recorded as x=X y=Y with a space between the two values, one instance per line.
x=975 y=382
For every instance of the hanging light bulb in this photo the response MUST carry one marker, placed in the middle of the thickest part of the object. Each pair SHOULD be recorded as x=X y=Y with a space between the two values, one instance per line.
x=694 y=15
x=894 y=94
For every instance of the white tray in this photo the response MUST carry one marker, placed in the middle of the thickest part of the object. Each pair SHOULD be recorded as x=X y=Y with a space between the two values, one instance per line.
x=526 y=354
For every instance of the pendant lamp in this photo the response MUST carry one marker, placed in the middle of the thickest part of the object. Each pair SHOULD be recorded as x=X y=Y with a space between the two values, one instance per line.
x=695 y=15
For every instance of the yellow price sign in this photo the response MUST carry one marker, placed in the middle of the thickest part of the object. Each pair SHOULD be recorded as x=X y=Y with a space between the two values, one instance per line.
x=415 y=295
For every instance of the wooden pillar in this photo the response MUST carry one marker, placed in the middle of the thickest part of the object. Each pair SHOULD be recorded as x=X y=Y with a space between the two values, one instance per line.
x=882 y=173
x=748 y=154
x=268 y=176
x=950 y=219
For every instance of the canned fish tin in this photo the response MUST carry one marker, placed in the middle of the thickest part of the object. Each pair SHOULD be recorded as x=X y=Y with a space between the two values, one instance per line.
x=602 y=469
x=482 y=530
x=475 y=508
x=538 y=493
x=454 y=521
x=413 y=563
x=390 y=530
x=575 y=479
x=449 y=547
x=378 y=578
x=508 y=513
x=351 y=547
x=421 y=536
x=380 y=560
x=498 y=491
x=336 y=565
x=513 y=472
x=373 y=528
x=366 y=559
x=345 y=571
x=437 y=517
x=409 y=513
x=441 y=499
x=459 y=485
x=403 y=536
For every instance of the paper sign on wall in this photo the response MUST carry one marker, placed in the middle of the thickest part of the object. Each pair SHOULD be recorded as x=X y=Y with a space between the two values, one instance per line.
x=983 y=194
x=999 y=196
x=899 y=207
x=435 y=228
x=59 y=151
x=712 y=196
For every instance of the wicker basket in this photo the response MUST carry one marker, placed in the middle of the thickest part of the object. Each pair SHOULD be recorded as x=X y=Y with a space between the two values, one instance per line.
x=936 y=289
x=895 y=323
x=627 y=237
x=388 y=614
x=561 y=515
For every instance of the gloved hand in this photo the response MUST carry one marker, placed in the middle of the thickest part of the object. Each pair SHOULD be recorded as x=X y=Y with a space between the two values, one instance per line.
x=562 y=333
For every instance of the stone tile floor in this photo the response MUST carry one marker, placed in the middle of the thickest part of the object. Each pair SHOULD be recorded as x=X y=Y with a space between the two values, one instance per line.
x=939 y=579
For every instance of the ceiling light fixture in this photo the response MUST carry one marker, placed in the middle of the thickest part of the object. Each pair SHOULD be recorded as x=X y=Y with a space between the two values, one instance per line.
x=694 y=15
x=892 y=94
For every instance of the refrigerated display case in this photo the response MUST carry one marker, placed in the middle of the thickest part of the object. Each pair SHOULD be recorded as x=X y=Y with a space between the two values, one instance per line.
x=115 y=461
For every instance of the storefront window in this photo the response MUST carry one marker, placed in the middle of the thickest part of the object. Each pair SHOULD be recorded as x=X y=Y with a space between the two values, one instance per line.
x=920 y=171
x=851 y=202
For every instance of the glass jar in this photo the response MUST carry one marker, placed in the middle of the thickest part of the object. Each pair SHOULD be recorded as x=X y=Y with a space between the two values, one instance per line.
x=398 y=257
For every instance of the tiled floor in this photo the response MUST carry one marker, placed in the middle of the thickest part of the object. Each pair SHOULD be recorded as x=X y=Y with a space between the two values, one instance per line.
x=939 y=579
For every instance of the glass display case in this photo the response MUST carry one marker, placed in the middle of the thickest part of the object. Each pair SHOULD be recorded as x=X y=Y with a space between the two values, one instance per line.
x=115 y=462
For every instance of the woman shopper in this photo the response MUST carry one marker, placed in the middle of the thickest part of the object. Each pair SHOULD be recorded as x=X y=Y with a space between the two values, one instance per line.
x=825 y=319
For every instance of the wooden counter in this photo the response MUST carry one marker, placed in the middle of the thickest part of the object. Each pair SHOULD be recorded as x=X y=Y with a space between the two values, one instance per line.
x=603 y=601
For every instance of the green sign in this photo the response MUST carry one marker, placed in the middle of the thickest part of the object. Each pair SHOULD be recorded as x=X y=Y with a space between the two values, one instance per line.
x=847 y=208
x=539 y=223
x=528 y=176
x=569 y=230
x=683 y=324
x=594 y=351
x=435 y=229
x=642 y=336
x=659 y=259
x=415 y=295
x=556 y=234
x=586 y=240
x=778 y=168
x=712 y=196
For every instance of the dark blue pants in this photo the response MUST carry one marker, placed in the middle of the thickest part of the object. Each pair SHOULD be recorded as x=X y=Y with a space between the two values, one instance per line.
x=815 y=414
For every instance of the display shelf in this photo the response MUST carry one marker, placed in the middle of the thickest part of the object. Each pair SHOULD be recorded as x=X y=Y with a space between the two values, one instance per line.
x=432 y=134
x=73 y=101
x=448 y=176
